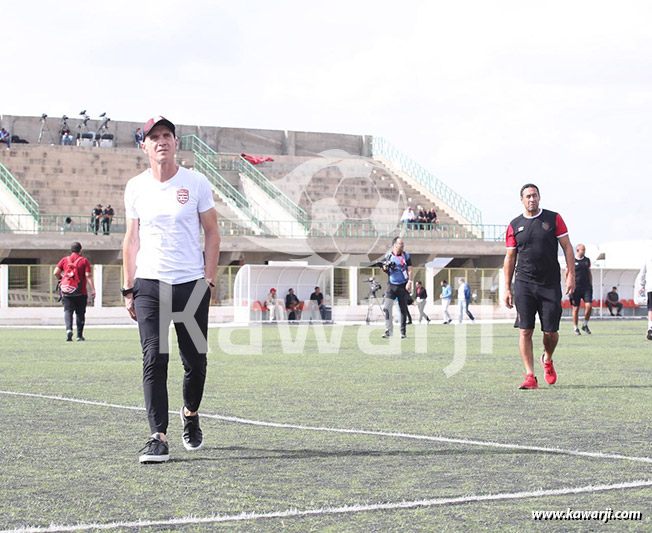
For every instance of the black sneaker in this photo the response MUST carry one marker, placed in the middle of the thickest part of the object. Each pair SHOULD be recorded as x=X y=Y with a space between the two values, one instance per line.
x=649 y=334
x=403 y=336
x=155 y=451
x=69 y=336
x=387 y=335
x=192 y=435
x=80 y=338
x=585 y=329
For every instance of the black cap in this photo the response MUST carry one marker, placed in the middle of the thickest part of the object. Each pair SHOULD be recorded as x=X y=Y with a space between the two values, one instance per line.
x=155 y=121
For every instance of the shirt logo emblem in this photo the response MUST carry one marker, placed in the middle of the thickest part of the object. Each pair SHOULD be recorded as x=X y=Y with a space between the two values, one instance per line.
x=521 y=228
x=545 y=226
x=183 y=195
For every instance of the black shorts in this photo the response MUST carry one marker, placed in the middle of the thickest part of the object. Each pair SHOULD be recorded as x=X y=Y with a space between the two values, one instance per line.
x=649 y=301
x=531 y=299
x=582 y=293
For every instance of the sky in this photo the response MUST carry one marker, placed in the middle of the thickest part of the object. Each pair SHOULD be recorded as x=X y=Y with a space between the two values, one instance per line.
x=486 y=95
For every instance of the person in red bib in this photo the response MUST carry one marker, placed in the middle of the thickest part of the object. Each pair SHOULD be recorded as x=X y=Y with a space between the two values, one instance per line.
x=75 y=300
x=534 y=238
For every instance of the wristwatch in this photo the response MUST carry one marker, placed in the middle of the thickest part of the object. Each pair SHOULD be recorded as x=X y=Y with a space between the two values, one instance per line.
x=125 y=292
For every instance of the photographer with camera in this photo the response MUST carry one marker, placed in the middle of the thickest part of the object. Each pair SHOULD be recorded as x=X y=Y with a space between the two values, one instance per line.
x=398 y=266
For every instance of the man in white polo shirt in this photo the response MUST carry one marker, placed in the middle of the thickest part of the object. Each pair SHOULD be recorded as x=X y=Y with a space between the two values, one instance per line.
x=167 y=278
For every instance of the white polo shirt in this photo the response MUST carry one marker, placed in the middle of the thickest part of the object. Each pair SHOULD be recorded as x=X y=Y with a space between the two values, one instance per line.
x=169 y=230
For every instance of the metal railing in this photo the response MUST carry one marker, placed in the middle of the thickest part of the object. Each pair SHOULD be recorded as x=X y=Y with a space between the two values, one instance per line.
x=236 y=163
x=19 y=191
x=380 y=147
x=35 y=286
x=230 y=194
x=350 y=229
x=46 y=223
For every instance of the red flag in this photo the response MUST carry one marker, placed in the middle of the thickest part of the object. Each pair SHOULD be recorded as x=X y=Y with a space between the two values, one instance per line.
x=255 y=160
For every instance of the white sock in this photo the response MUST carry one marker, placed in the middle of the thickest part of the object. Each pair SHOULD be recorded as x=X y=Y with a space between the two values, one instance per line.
x=649 y=324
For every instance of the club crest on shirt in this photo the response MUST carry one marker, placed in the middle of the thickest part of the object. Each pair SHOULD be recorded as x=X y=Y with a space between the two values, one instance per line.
x=545 y=226
x=183 y=195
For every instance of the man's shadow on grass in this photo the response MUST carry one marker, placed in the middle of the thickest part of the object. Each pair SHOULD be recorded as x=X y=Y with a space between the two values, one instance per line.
x=252 y=454
x=622 y=387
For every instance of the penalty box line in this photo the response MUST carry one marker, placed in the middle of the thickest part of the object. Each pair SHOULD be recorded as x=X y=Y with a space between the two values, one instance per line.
x=324 y=429
x=347 y=509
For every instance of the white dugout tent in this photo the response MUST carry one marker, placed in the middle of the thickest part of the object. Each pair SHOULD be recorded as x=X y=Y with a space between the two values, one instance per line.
x=253 y=283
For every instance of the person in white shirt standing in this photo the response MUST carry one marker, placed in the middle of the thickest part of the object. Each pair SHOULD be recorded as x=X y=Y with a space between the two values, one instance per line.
x=167 y=278
x=446 y=296
x=645 y=277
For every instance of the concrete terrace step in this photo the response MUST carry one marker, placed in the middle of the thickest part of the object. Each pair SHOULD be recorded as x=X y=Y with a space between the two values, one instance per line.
x=73 y=179
x=353 y=200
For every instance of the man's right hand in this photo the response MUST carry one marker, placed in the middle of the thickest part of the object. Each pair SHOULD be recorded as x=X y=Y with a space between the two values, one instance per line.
x=570 y=284
x=129 y=305
x=509 y=299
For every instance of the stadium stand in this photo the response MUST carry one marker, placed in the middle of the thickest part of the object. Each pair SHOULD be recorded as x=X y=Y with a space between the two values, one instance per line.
x=67 y=181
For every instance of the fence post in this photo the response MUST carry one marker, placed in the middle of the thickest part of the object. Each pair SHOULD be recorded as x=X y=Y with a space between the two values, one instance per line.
x=353 y=285
x=430 y=284
x=98 y=272
x=4 y=286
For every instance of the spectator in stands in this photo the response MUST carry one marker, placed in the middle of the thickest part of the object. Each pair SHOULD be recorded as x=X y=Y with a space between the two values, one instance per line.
x=66 y=137
x=317 y=304
x=446 y=296
x=274 y=307
x=67 y=225
x=432 y=218
x=408 y=217
x=292 y=305
x=464 y=298
x=96 y=213
x=138 y=138
x=613 y=301
x=107 y=217
x=75 y=265
x=5 y=137
x=422 y=299
x=422 y=217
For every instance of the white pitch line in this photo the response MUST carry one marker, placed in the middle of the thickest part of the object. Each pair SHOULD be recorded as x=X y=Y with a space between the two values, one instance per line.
x=450 y=440
x=347 y=509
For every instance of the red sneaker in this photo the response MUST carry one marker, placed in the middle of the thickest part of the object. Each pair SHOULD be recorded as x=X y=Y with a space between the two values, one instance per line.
x=548 y=367
x=530 y=382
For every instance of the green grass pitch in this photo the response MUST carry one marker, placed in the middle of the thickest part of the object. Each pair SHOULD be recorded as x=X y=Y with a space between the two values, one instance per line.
x=77 y=463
